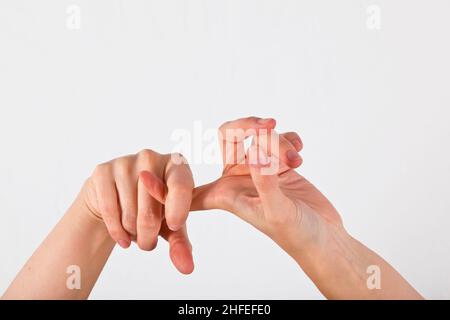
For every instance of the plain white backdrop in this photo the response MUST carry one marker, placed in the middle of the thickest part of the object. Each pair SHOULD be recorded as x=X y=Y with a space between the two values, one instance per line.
x=372 y=107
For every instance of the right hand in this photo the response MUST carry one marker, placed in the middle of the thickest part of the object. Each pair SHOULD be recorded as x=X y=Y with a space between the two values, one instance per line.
x=283 y=205
x=142 y=196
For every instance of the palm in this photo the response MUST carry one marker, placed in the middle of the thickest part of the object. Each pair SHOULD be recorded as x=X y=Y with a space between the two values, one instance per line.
x=236 y=192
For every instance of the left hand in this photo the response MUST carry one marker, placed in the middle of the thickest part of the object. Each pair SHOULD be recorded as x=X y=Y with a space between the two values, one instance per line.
x=142 y=196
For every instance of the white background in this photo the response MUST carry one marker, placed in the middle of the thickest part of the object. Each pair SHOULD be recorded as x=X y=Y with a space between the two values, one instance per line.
x=372 y=107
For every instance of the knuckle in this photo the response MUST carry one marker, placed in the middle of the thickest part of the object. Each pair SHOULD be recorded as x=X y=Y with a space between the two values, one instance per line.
x=146 y=154
x=251 y=119
x=292 y=134
x=148 y=160
x=129 y=216
x=101 y=169
x=178 y=155
x=295 y=139
x=149 y=221
x=178 y=158
x=129 y=223
x=123 y=167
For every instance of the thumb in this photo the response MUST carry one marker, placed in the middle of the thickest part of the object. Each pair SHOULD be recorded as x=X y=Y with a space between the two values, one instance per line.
x=266 y=182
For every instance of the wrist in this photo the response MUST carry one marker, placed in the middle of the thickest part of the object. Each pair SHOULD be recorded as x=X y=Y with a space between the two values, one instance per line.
x=90 y=222
x=88 y=201
x=85 y=210
x=327 y=243
x=337 y=265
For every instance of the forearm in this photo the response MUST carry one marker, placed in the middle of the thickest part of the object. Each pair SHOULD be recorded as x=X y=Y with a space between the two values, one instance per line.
x=343 y=268
x=79 y=240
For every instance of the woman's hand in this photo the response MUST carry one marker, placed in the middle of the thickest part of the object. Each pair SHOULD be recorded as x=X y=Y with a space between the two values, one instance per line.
x=282 y=204
x=142 y=196
x=148 y=194
x=122 y=201
x=261 y=187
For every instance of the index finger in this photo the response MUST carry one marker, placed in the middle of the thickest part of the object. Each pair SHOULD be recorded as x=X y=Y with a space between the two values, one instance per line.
x=180 y=184
x=233 y=133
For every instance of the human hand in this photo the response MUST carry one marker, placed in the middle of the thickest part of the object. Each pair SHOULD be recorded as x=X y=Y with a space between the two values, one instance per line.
x=142 y=196
x=283 y=204
x=290 y=210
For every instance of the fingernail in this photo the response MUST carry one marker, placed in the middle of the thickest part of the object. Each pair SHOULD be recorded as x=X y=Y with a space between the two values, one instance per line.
x=264 y=121
x=123 y=243
x=175 y=227
x=292 y=155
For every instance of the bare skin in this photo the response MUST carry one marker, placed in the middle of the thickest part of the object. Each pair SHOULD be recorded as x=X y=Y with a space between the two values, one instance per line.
x=112 y=207
x=300 y=219
x=138 y=197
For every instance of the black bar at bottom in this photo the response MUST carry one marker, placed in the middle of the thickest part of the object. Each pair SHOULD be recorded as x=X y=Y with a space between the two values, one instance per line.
x=225 y=309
